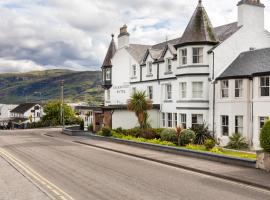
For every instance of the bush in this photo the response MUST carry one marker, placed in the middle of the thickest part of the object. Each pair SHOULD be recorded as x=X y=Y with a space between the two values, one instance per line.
x=201 y=134
x=265 y=137
x=169 y=135
x=120 y=130
x=148 y=134
x=106 y=132
x=81 y=125
x=209 y=144
x=237 y=142
x=186 y=137
x=90 y=127
x=135 y=132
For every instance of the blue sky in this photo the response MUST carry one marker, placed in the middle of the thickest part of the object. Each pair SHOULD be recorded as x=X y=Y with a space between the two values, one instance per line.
x=74 y=34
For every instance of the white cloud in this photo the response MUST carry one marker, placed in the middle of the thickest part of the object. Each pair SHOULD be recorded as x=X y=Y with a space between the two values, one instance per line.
x=74 y=34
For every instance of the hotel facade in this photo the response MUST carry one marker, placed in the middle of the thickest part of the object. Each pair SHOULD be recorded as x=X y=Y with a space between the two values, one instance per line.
x=214 y=75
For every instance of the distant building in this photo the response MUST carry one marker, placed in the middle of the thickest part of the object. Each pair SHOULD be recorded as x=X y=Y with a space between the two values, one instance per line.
x=5 y=114
x=218 y=75
x=26 y=113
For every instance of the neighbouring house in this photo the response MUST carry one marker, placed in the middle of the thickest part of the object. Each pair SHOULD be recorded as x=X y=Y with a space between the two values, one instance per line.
x=26 y=113
x=88 y=115
x=5 y=114
x=217 y=75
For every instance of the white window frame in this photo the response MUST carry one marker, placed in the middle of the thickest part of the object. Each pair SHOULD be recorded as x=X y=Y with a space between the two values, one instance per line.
x=239 y=124
x=150 y=93
x=197 y=57
x=262 y=120
x=134 y=71
x=183 y=120
x=197 y=93
x=175 y=119
x=149 y=68
x=265 y=86
x=168 y=91
x=225 y=124
x=238 y=92
x=224 y=89
x=199 y=119
x=183 y=90
x=108 y=74
x=169 y=120
x=183 y=56
x=168 y=62
x=163 y=120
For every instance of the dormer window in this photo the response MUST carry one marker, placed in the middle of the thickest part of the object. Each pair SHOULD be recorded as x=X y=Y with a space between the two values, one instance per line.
x=168 y=62
x=197 y=54
x=183 y=54
x=134 y=71
x=108 y=74
x=149 y=68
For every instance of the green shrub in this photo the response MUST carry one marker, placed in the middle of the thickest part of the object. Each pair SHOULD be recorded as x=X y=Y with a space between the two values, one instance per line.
x=237 y=142
x=135 y=132
x=169 y=135
x=81 y=125
x=209 y=144
x=148 y=134
x=201 y=133
x=90 y=127
x=186 y=137
x=106 y=132
x=120 y=130
x=265 y=137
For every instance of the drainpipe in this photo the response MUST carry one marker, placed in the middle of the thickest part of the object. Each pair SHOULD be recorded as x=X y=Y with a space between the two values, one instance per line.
x=252 y=112
x=214 y=93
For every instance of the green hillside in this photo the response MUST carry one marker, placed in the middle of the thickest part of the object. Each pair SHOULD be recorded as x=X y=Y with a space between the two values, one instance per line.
x=37 y=85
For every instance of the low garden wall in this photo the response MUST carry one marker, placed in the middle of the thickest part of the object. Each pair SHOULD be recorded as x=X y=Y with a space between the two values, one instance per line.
x=75 y=131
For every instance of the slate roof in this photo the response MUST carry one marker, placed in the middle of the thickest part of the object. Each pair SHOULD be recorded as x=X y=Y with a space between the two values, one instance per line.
x=199 y=29
x=110 y=53
x=22 y=108
x=137 y=51
x=249 y=64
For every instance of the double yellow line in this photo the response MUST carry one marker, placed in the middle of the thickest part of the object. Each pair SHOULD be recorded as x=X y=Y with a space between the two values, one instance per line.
x=40 y=180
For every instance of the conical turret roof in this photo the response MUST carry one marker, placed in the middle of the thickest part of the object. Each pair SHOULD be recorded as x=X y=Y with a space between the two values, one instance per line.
x=110 y=53
x=199 y=29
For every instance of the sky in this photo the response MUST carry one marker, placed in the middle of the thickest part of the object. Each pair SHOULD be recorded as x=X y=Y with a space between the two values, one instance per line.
x=75 y=34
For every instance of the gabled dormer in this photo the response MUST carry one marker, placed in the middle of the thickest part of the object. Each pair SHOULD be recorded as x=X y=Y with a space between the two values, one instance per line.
x=107 y=66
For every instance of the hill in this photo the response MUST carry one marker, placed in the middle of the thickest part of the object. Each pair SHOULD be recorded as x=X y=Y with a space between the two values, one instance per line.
x=44 y=85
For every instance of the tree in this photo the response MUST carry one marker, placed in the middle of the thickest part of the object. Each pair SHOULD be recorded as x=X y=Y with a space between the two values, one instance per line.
x=139 y=104
x=52 y=112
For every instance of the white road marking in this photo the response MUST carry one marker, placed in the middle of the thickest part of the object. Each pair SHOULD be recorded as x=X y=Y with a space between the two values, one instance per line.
x=53 y=188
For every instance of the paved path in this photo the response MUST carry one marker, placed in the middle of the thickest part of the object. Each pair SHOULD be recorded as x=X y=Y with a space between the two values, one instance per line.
x=87 y=173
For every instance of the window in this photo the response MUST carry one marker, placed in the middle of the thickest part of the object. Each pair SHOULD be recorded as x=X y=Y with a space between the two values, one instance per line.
x=197 y=89
x=163 y=120
x=108 y=95
x=197 y=55
x=183 y=120
x=175 y=120
x=238 y=88
x=108 y=74
x=239 y=124
x=149 y=68
x=134 y=71
x=225 y=125
x=225 y=89
x=196 y=120
x=169 y=118
x=183 y=56
x=133 y=90
x=265 y=86
x=262 y=121
x=183 y=90
x=150 y=92
x=168 y=92
x=168 y=64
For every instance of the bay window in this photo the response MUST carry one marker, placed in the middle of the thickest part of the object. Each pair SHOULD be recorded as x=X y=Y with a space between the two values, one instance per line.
x=197 y=119
x=169 y=118
x=183 y=120
x=183 y=90
x=197 y=54
x=197 y=89
x=183 y=56
x=265 y=86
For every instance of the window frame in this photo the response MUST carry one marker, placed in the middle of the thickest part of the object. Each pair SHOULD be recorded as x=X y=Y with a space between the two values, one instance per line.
x=197 y=57
x=262 y=120
x=175 y=119
x=168 y=62
x=265 y=86
x=149 y=68
x=197 y=119
x=225 y=124
x=134 y=71
x=183 y=120
x=150 y=94
x=239 y=126
x=238 y=89
x=183 y=90
x=169 y=120
x=197 y=92
x=108 y=74
x=163 y=119
x=183 y=57
x=222 y=89
x=168 y=93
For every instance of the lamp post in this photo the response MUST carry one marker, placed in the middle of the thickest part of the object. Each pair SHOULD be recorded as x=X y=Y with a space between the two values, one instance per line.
x=62 y=103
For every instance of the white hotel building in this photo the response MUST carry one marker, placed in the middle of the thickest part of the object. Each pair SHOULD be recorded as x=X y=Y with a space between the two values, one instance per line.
x=219 y=76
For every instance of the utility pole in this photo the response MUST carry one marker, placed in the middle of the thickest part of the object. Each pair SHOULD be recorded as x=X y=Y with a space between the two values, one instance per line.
x=62 y=103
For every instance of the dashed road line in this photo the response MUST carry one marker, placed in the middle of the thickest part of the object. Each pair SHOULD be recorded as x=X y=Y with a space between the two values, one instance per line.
x=60 y=194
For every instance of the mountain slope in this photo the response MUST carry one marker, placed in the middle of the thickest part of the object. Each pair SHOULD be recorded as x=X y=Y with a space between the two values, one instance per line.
x=37 y=85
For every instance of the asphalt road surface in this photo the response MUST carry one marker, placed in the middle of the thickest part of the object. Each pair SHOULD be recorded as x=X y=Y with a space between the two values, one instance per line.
x=87 y=173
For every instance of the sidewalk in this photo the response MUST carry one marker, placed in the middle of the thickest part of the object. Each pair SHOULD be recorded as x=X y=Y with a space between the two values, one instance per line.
x=249 y=176
x=14 y=186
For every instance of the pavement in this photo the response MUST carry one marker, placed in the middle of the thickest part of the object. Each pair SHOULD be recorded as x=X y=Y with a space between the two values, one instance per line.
x=85 y=172
x=14 y=186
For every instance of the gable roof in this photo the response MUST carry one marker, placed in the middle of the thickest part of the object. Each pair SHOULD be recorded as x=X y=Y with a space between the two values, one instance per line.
x=248 y=64
x=137 y=51
x=110 y=53
x=199 y=29
x=22 y=108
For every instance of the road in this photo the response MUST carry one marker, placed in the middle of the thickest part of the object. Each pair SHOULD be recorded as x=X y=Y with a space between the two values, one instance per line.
x=87 y=173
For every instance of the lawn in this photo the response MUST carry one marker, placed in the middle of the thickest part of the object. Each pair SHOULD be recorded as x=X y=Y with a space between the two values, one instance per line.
x=215 y=150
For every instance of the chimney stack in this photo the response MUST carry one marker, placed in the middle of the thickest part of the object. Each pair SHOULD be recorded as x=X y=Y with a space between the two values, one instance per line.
x=123 y=37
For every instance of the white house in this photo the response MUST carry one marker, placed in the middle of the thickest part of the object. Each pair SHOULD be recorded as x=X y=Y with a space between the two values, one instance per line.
x=183 y=76
x=5 y=113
